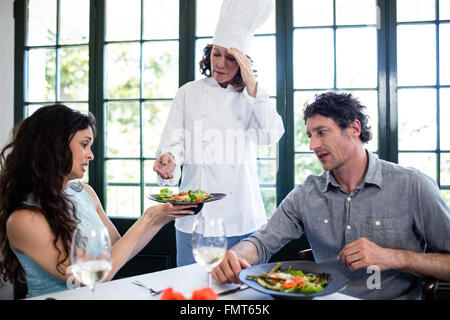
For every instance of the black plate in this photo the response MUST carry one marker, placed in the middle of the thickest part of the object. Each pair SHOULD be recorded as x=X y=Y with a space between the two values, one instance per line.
x=337 y=283
x=217 y=196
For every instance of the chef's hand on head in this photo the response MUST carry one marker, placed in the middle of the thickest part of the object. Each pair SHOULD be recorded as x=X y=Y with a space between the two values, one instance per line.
x=164 y=165
x=246 y=70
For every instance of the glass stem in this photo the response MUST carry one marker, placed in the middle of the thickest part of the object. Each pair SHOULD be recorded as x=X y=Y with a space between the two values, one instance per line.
x=209 y=279
x=92 y=291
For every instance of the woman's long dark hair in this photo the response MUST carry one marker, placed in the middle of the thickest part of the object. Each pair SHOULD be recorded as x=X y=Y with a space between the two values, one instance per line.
x=35 y=163
x=205 y=68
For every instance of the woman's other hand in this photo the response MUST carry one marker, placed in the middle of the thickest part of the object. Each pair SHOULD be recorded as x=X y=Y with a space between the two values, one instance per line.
x=164 y=213
x=164 y=165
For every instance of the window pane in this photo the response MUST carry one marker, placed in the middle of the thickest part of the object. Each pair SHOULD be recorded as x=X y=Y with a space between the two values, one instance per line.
x=122 y=131
x=123 y=201
x=369 y=99
x=123 y=20
x=41 y=74
x=160 y=77
x=416 y=119
x=41 y=22
x=444 y=54
x=444 y=116
x=264 y=57
x=351 y=12
x=150 y=176
x=267 y=171
x=208 y=12
x=82 y=107
x=444 y=10
x=416 y=56
x=415 y=10
x=30 y=109
x=154 y=115
x=122 y=70
x=74 y=73
x=269 y=196
x=313 y=13
x=301 y=140
x=425 y=162
x=356 y=68
x=123 y=171
x=74 y=21
x=157 y=14
x=445 y=169
x=306 y=164
x=314 y=65
x=446 y=196
x=268 y=151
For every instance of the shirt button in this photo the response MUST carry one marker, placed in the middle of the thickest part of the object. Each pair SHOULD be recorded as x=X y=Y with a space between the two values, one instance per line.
x=349 y=198
x=325 y=221
x=378 y=223
x=348 y=227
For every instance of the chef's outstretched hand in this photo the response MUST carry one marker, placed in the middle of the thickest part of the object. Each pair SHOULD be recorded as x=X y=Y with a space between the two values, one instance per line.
x=164 y=165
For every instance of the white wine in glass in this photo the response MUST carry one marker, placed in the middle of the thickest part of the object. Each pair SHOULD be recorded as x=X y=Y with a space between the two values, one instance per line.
x=91 y=256
x=209 y=242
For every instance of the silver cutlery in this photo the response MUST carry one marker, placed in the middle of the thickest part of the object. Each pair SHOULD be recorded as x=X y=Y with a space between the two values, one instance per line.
x=240 y=288
x=151 y=290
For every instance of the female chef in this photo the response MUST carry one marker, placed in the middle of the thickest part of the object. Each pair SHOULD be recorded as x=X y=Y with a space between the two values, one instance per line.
x=214 y=127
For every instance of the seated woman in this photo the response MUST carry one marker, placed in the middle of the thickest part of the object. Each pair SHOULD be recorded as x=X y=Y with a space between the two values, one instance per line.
x=40 y=207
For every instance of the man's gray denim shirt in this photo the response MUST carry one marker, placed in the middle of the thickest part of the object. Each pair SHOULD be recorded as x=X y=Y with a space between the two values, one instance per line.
x=395 y=207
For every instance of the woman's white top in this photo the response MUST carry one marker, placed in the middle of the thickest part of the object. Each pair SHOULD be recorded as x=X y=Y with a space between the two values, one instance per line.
x=212 y=132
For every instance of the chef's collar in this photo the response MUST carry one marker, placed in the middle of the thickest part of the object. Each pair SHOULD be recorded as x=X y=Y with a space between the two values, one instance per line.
x=211 y=81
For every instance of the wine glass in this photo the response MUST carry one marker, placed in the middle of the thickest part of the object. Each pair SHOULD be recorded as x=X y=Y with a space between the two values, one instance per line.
x=209 y=242
x=91 y=255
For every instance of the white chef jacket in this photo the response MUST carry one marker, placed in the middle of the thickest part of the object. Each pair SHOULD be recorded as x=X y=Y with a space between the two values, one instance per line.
x=212 y=132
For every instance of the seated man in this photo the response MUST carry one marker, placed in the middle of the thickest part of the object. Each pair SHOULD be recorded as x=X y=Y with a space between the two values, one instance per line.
x=360 y=212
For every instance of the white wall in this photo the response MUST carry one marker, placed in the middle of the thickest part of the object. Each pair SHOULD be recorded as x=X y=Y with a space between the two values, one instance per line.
x=6 y=70
x=6 y=88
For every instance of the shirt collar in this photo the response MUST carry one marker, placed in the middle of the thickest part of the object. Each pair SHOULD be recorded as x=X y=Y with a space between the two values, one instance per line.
x=374 y=172
x=373 y=175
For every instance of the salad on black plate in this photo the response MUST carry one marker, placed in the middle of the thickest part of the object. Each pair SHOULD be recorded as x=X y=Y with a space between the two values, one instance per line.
x=188 y=197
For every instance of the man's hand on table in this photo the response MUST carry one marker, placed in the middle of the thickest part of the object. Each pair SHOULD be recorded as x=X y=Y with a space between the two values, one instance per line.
x=230 y=267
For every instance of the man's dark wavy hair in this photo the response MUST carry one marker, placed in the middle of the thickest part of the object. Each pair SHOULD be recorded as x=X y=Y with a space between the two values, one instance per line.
x=35 y=163
x=343 y=108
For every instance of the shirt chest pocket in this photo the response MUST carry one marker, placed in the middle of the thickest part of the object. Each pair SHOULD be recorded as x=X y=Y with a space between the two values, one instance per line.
x=386 y=231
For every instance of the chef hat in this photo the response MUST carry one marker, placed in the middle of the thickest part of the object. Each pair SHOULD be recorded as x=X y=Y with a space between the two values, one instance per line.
x=238 y=21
